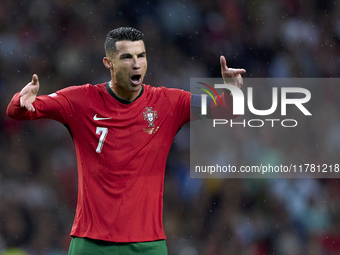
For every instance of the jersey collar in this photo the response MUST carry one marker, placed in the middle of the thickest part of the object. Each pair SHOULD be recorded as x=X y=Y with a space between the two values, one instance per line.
x=121 y=100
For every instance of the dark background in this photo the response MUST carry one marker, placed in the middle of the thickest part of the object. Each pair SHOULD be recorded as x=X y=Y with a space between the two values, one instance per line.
x=62 y=41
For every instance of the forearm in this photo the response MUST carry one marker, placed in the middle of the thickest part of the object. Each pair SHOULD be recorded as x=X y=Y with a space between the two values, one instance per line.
x=15 y=111
x=224 y=111
x=46 y=107
x=214 y=111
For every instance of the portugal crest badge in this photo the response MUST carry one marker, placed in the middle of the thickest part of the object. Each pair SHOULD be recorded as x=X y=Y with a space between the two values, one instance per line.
x=150 y=116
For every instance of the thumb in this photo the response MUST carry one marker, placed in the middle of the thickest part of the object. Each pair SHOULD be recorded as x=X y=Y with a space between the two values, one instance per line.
x=35 y=79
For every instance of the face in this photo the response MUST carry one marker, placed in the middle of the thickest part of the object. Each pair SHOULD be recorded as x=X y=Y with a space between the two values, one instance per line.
x=128 y=67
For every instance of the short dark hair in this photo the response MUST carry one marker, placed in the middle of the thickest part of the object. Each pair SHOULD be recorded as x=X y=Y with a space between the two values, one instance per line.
x=121 y=34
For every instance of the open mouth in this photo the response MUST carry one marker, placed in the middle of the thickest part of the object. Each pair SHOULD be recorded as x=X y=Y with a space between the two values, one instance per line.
x=136 y=79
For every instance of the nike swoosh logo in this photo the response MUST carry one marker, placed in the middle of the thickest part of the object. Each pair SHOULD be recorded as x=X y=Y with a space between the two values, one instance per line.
x=98 y=118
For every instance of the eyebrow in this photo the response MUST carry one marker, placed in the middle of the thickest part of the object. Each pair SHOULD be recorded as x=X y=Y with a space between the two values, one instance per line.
x=124 y=55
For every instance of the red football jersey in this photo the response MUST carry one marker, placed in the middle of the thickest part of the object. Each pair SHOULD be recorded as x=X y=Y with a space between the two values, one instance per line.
x=121 y=150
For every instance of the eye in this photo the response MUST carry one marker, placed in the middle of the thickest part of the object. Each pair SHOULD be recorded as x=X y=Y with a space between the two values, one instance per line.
x=126 y=56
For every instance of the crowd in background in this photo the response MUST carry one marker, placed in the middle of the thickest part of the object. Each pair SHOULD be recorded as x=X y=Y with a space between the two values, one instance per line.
x=62 y=41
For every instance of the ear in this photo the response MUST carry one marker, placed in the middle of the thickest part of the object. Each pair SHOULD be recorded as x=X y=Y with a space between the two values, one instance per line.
x=107 y=63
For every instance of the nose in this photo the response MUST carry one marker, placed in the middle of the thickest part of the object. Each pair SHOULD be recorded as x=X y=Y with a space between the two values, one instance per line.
x=136 y=64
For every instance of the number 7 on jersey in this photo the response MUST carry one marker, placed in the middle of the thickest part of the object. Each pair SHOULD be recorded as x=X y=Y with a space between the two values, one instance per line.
x=102 y=131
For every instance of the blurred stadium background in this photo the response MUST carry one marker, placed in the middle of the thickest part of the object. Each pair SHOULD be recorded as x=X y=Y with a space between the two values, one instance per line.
x=62 y=41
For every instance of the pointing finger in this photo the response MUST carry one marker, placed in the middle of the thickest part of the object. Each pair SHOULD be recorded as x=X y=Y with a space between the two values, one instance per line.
x=35 y=79
x=223 y=62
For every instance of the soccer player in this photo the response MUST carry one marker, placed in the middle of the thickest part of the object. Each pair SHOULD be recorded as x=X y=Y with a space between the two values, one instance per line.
x=122 y=132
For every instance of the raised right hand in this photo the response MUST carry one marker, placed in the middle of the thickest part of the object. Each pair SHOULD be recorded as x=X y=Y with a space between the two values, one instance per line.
x=29 y=93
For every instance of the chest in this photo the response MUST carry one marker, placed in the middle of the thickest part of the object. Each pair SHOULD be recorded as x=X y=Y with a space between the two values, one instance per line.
x=106 y=126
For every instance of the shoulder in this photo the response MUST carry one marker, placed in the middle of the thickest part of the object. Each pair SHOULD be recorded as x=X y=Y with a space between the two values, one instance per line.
x=80 y=90
x=171 y=97
x=169 y=92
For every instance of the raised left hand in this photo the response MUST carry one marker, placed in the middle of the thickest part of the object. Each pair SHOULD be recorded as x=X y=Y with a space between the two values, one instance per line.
x=228 y=73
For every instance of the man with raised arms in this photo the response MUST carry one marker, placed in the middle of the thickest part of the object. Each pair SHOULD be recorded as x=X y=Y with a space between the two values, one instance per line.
x=122 y=132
